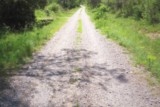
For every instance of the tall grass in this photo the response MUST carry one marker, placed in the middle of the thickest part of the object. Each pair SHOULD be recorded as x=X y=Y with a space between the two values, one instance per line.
x=132 y=35
x=17 y=48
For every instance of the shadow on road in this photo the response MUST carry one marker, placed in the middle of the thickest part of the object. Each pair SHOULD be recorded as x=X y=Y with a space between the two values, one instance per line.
x=9 y=96
x=67 y=63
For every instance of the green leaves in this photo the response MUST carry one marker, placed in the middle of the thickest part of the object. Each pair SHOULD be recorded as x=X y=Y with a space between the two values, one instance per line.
x=146 y=9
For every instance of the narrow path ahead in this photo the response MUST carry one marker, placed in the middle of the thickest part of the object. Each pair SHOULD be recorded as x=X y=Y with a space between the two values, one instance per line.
x=78 y=70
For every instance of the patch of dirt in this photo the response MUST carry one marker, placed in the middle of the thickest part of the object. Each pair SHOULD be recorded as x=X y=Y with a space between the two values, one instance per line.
x=151 y=35
x=154 y=35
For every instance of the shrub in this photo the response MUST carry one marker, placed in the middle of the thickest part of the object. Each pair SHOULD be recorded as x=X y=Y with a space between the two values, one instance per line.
x=101 y=12
x=69 y=3
x=16 y=14
x=19 y=13
x=53 y=7
x=151 y=13
x=94 y=3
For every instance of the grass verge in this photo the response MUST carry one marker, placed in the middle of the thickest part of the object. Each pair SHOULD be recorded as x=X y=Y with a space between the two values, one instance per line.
x=79 y=32
x=79 y=26
x=17 y=48
x=132 y=34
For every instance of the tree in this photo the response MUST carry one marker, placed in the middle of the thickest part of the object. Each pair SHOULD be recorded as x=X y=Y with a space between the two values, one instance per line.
x=19 y=13
x=69 y=3
x=94 y=3
x=146 y=9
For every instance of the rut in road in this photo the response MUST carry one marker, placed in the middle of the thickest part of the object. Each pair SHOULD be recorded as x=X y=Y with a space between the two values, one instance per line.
x=94 y=72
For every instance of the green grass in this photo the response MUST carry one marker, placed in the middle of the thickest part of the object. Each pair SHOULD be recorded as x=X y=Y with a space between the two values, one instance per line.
x=132 y=35
x=17 y=48
x=79 y=33
x=79 y=30
x=79 y=26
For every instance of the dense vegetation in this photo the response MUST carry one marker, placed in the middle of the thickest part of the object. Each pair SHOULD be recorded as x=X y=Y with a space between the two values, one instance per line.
x=134 y=24
x=139 y=9
x=19 y=13
x=69 y=3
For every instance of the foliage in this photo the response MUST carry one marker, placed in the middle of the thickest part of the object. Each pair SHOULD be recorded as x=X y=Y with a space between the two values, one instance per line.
x=69 y=3
x=152 y=11
x=16 y=13
x=101 y=12
x=19 y=13
x=94 y=3
x=53 y=7
x=139 y=9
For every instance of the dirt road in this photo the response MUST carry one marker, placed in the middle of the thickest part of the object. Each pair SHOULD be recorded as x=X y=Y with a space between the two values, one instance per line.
x=78 y=70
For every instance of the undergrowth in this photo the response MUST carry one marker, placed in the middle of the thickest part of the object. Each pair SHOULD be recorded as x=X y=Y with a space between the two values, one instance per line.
x=132 y=34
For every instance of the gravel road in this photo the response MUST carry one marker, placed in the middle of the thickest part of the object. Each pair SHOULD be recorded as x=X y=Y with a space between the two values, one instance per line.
x=79 y=70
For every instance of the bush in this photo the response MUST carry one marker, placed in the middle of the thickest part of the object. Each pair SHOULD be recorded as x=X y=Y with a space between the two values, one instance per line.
x=16 y=14
x=53 y=7
x=19 y=13
x=140 y=9
x=152 y=11
x=94 y=3
x=69 y=3
x=137 y=12
x=101 y=12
